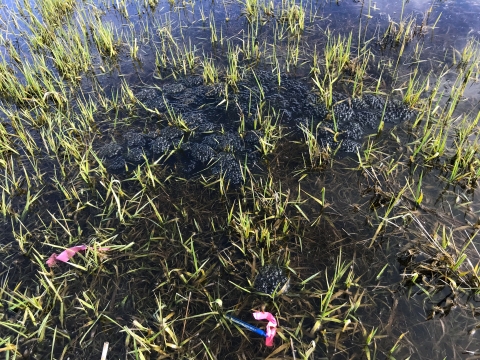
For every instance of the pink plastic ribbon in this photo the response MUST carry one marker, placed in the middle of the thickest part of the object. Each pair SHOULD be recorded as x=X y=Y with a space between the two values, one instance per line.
x=67 y=254
x=271 y=329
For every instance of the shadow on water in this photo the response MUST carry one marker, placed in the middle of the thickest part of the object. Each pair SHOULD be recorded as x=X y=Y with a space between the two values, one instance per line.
x=205 y=144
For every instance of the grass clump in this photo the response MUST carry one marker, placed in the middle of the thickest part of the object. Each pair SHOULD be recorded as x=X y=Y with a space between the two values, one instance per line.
x=336 y=60
x=54 y=11
x=105 y=37
x=71 y=56
x=294 y=16
x=210 y=72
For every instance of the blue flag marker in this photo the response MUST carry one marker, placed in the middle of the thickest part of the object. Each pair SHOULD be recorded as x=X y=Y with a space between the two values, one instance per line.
x=247 y=325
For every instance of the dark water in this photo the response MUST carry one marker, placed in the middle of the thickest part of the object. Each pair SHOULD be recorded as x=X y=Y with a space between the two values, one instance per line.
x=431 y=327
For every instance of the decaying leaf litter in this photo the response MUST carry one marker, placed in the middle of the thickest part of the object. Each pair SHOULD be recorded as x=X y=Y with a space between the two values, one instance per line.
x=378 y=246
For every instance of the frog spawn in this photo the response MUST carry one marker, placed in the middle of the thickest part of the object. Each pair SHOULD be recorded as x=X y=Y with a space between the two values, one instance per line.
x=211 y=142
x=271 y=279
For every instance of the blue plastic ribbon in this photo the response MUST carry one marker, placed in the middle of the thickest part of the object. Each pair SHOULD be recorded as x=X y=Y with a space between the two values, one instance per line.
x=247 y=325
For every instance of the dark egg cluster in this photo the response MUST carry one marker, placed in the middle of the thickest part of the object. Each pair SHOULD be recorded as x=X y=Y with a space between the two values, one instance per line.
x=202 y=132
x=271 y=279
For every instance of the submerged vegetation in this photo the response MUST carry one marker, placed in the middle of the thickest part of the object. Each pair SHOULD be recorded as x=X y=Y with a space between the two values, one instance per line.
x=363 y=243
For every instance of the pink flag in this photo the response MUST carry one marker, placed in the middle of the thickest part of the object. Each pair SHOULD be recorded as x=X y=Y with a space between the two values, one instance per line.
x=271 y=329
x=67 y=254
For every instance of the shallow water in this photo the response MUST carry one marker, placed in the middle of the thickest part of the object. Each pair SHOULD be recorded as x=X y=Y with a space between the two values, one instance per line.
x=395 y=308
